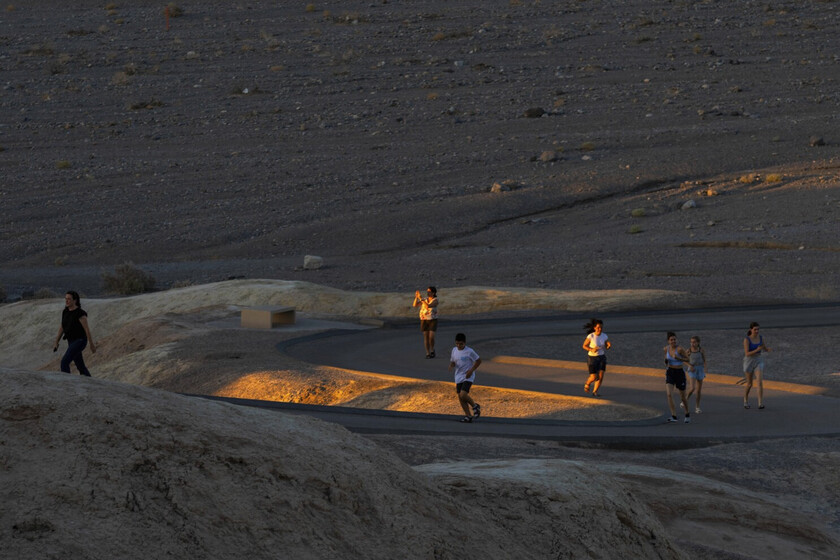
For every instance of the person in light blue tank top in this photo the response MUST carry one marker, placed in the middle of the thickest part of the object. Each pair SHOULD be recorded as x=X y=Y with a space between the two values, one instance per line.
x=754 y=364
x=696 y=371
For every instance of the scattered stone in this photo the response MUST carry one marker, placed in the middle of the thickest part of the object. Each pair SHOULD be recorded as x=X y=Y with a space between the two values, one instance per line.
x=312 y=262
x=506 y=185
x=534 y=112
x=710 y=223
x=548 y=156
x=687 y=205
x=816 y=141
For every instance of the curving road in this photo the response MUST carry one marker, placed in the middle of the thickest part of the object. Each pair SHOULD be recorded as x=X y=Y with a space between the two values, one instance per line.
x=791 y=410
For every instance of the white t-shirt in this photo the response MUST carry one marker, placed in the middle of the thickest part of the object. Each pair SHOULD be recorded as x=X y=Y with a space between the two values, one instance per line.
x=600 y=341
x=464 y=360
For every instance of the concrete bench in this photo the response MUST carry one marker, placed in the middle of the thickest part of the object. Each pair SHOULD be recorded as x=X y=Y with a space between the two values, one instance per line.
x=267 y=317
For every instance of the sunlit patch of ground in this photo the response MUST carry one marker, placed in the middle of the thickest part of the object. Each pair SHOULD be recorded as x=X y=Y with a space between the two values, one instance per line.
x=337 y=387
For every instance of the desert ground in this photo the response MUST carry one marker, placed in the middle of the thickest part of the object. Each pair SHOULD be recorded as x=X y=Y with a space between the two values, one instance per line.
x=523 y=156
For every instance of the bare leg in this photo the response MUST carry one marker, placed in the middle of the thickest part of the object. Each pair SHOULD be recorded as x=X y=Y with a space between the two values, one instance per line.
x=698 y=393
x=668 y=392
x=599 y=378
x=427 y=341
x=431 y=345
x=758 y=376
x=467 y=402
x=684 y=400
x=747 y=386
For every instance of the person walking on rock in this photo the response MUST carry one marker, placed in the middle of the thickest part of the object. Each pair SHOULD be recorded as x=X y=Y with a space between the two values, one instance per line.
x=675 y=357
x=754 y=364
x=595 y=344
x=428 y=317
x=74 y=327
x=465 y=361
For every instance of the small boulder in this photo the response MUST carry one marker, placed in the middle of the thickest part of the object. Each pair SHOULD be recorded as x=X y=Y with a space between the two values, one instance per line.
x=534 y=112
x=311 y=262
x=689 y=204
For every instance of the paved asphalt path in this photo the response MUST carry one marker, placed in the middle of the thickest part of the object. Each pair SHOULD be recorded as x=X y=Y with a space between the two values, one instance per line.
x=397 y=349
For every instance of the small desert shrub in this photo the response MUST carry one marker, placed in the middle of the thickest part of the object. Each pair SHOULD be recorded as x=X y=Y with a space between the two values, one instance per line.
x=431 y=96
x=310 y=8
x=587 y=146
x=174 y=10
x=110 y=6
x=63 y=164
x=773 y=178
x=120 y=79
x=746 y=179
x=635 y=229
x=638 y=212
x=127 y=279
x=182 y=284
x=61 y=261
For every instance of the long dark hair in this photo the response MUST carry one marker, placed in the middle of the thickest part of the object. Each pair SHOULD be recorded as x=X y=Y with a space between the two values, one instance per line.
x=590 y=326
x=753 y=324
x=75 y=296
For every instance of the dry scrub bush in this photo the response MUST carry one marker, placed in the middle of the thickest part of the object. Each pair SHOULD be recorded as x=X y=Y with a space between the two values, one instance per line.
x=773 y=178
x=127 y=280
x=174 y=10
x=63 y=164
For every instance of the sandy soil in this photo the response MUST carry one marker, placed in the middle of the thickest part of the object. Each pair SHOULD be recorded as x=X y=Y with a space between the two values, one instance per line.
x=247 y=136
x=688 y=148
x=582 y=500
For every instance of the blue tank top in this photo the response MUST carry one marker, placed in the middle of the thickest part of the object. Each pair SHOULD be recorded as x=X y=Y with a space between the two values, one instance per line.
x=672 y=361
x=752 y=346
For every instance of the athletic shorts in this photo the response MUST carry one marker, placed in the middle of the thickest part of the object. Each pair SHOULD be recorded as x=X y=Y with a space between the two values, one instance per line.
x=427 y=325
x=699 y=374
x=676 y=377
x=752 y=363
x=597 y=363
x=463 y=386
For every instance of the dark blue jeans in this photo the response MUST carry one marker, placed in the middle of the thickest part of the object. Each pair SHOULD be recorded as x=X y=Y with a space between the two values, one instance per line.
x=74 y=354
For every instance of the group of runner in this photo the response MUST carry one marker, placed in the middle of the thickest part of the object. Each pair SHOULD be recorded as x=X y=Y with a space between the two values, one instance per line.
x=678 y=361
x=464 y=361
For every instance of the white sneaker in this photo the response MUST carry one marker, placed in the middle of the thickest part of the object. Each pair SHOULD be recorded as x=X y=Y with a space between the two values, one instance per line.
x=671 y=420
x=688 y=420
x=697 y=410
x=682 y=406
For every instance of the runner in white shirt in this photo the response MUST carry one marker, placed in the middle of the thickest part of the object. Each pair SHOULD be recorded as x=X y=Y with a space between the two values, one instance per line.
x=465 y=361
x=595 y=344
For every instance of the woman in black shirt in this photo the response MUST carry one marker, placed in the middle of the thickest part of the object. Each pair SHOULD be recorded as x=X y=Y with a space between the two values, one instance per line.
x=74 y=327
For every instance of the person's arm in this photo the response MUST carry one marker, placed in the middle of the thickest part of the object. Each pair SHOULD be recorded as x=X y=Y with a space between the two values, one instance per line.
x=474 y=367
x=84 y=322
x=682 y=355
x=586 y=346
x=417 y=299
x=703 y=354
x=58 y=338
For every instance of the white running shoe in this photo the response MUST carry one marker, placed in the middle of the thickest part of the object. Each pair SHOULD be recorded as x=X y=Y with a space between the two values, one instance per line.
x=697 y=410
